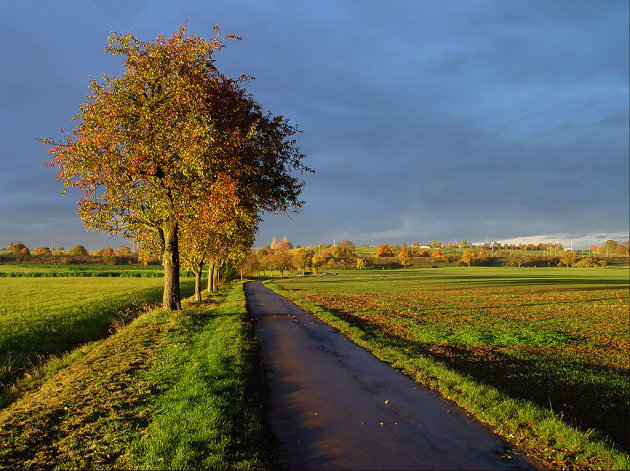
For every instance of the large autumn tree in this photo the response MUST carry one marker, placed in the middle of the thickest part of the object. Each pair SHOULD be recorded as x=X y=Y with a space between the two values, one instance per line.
x=150 y=143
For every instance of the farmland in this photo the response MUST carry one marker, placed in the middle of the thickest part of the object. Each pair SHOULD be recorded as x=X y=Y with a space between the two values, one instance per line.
x=552 y=340
x=42 y=317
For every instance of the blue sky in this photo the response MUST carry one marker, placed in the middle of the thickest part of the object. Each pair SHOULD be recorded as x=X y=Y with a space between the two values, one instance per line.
x=443 y=120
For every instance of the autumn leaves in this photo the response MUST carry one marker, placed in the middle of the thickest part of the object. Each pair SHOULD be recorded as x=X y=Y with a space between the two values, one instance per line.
x=178 y=156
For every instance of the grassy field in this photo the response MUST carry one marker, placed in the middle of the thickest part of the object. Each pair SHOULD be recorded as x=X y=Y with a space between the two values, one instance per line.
x=84 y=271
x=168 y=391
x=40 y=317
x=531 y=352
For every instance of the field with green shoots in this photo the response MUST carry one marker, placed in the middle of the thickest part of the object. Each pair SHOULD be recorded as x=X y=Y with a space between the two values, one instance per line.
x=41 y=317
x=529 y=351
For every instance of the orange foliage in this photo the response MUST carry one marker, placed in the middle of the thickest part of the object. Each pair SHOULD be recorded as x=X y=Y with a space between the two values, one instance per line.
x=384 y=250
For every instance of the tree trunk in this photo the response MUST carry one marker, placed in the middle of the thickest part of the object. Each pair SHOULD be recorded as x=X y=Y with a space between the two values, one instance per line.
x=171 y=299
x=217 y=276
x=198 y=273
x=211 y=278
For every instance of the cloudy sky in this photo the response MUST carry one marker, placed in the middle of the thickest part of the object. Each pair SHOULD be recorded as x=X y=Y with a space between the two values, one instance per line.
x=443 y=120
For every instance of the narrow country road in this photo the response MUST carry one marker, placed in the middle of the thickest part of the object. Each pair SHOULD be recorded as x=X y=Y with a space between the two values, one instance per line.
x=333 y=405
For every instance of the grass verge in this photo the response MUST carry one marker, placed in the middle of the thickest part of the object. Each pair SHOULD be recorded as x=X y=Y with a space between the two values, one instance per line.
x=206 y=413
x=171 y=390
x=541 y=432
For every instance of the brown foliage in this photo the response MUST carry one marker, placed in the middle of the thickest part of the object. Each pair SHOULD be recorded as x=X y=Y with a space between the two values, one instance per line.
x=283 y=244
x=384 y=250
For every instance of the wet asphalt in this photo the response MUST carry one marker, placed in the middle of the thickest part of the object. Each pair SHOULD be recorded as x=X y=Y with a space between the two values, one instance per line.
x=333 y=405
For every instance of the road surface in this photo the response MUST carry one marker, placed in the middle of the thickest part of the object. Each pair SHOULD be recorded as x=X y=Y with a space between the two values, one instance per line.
x=333 y=405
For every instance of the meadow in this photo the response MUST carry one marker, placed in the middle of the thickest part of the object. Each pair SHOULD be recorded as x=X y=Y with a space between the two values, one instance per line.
x=553 y=340
x=43 y=317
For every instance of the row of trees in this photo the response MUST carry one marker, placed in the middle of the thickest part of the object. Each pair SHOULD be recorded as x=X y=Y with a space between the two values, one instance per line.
x=610 y=248
x=18 y=248
x=265 y=260
x=178 y=157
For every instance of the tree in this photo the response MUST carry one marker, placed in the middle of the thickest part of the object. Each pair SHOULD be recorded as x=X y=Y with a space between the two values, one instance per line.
x=282 y=244
x=342 y=251
x=316 y=262
x=362 y=263
x=568 y=258
x=78 y=250
x=586 y=262
x=108 y=252
x=516 y=260
x=149 y=144
x=610 y=246
x=25 y=251
x=303 y=259
x=404 y=256
x=123 y=250
x=266 y=259
x=282 y=261
x=251 y=264
x=16 y=247
x=468 y=257
x=463 y=244
x=384 y=250
x=436 y=253
x=42 y=251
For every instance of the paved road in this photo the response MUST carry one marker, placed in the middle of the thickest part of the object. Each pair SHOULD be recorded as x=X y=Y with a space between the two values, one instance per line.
x=333 y=405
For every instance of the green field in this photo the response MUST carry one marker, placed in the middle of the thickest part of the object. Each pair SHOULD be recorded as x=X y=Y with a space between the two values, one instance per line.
x=44 y=316
x=83 y=271
x=554 y=339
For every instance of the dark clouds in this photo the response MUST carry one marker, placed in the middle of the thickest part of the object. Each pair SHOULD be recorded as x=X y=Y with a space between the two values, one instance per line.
x=423 y=120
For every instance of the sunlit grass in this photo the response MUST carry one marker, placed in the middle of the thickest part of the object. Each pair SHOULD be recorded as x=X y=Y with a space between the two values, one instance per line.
x=205 y=413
